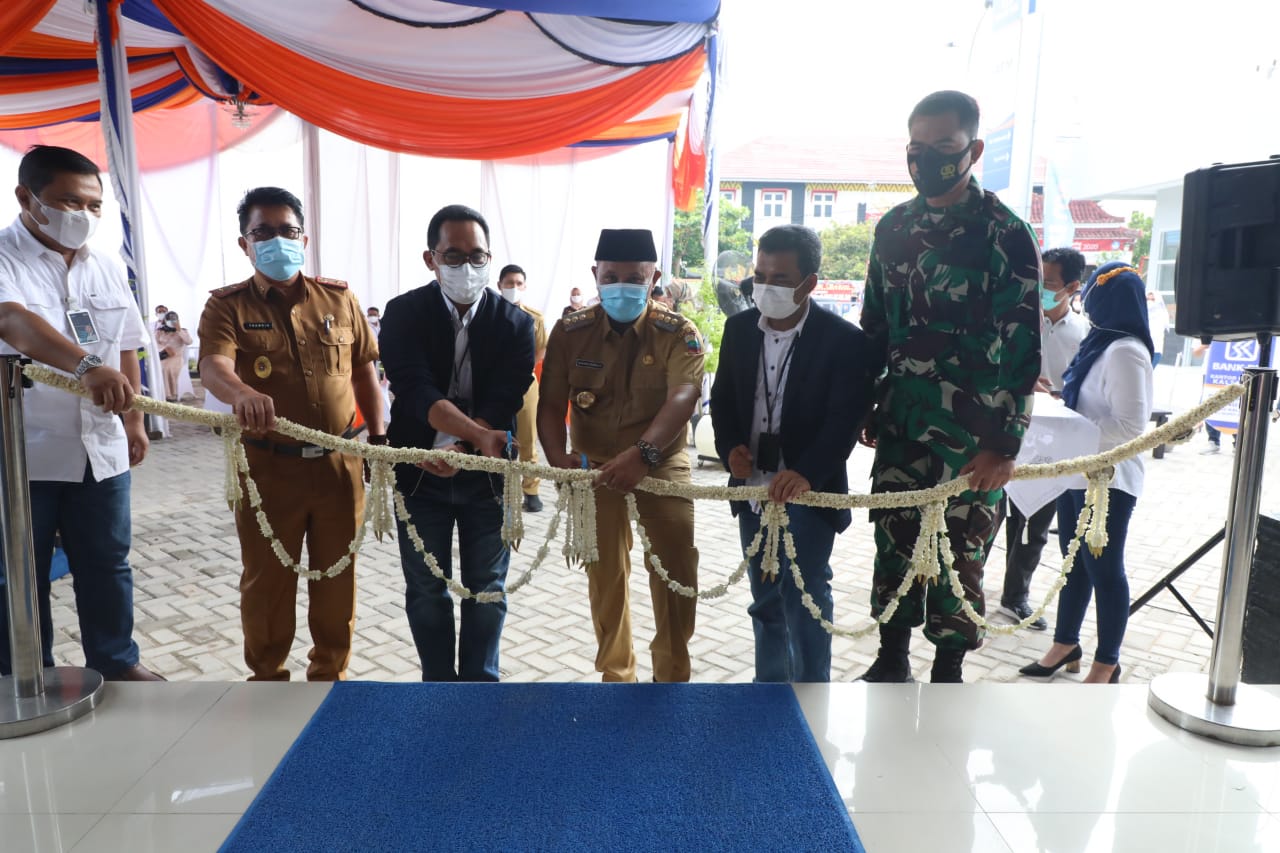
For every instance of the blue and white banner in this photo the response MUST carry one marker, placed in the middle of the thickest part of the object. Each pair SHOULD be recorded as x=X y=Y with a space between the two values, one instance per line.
x=1224 y=364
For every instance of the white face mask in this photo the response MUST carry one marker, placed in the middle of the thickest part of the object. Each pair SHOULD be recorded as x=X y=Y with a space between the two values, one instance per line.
x=775 y=301
x=463 y=284
x=70 y=229
x=511 y=294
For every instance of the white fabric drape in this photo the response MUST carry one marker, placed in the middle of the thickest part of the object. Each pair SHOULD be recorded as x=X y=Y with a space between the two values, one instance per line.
x=621 y=42
x=70 y=96
x=462 y=62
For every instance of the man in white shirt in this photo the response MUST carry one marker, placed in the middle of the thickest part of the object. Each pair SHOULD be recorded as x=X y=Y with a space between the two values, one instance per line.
x=1061 y=331
x=793 y=390
x=78 y=457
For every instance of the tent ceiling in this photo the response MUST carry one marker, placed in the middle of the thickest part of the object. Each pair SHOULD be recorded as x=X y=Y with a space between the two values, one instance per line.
x=474 y=80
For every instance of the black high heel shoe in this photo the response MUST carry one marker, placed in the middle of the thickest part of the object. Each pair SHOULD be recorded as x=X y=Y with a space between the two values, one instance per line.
x=1115 y=675
x=1071 y=661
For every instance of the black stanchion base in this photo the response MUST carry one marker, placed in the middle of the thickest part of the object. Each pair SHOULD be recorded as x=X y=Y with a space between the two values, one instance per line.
x=69 y=693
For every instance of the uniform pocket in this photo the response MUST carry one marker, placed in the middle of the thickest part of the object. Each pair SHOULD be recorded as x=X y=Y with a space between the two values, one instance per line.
x=337 y=341
x=108 y=310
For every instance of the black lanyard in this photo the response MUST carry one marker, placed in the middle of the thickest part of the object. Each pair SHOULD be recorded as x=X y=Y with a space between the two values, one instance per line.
x=777 y=388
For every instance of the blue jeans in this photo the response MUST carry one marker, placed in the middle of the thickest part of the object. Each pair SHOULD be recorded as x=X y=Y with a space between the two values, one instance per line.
x=95 y=523
x=1103 y=575
x=428 y=603
x=790 y=644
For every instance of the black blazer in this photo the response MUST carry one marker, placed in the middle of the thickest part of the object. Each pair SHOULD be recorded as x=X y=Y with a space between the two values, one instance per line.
x=828 y=396
x=416 y=347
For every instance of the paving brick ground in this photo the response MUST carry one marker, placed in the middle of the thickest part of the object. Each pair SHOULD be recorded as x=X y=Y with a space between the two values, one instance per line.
x=186 y=564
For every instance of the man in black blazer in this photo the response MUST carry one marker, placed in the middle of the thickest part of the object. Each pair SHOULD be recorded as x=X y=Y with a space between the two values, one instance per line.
x=793 y=388
x=459 y=359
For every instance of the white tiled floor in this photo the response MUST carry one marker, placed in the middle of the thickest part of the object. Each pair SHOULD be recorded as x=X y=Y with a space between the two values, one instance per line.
x=938 y=768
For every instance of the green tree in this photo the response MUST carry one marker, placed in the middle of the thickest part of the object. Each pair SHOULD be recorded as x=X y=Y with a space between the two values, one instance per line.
x=846 y=250
x=705 y=313
x=687 y=252
x=1142 y=246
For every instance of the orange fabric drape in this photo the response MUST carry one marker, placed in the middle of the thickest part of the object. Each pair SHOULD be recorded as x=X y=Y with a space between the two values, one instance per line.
x=17 y=17
x=40 y=46
x=20 y=121
x=416 y=122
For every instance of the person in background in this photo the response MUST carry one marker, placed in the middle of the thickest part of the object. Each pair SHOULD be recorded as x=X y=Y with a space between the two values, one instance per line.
x=78 y=457
x=161 y=310
x=511 y=283
x=794 y=389
x=173 y=341
x=1110 y=383
x=576 y=302
x=1061 y=331
x=374 y=317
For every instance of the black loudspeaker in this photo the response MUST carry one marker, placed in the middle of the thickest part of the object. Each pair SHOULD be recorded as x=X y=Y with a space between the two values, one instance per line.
x=1227 y=278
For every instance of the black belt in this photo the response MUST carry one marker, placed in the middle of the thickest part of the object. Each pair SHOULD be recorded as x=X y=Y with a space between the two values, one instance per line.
x=305 y=451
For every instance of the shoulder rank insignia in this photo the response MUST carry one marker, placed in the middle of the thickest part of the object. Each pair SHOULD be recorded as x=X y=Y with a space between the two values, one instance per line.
x=578 y=319
x=331 y=282
x=667 y=321
x=230 y=289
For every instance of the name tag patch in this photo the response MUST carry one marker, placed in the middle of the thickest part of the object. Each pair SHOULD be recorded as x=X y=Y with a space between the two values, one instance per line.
x=259 y=327
x=594 y=365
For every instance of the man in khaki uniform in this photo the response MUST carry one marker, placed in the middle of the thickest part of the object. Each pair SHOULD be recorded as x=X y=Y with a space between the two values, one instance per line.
x=511 y=284
x=632 y=370
x=281 y=343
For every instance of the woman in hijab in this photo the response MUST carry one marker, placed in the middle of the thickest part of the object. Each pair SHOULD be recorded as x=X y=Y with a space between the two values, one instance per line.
x=173 y=341
x=1108 y=382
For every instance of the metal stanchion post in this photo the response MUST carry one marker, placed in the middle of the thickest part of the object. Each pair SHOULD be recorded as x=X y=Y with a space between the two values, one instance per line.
x=1219 y=706
x=32 y=699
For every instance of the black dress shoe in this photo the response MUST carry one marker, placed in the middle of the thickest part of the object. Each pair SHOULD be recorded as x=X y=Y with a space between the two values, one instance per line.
x=1115 y=675
x=532 y=503
x=1071 y=661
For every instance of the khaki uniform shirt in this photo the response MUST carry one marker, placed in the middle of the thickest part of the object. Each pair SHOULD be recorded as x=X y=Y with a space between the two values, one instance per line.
x=300 y=354
x=539 y=328
x=616 y=383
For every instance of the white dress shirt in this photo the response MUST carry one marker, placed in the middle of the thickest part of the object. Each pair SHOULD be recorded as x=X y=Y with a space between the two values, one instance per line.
x=776 y=355
x=65 y=431
x=1116 y=395
x=1058 y=345
x=460 y=382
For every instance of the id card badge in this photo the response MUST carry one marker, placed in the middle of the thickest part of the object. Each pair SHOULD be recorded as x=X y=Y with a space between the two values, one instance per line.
x=82 y=325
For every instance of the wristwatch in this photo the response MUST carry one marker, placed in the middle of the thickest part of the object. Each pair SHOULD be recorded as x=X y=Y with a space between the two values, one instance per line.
x=649 y=453
x=376 y=440
x=89 y=362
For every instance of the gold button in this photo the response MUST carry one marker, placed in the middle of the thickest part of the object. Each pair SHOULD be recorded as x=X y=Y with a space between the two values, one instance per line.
x=308 y=372
x=302 y=342
x=648 y=359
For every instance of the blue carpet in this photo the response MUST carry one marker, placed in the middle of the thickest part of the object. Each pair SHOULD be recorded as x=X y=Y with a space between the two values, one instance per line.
x=549 y=767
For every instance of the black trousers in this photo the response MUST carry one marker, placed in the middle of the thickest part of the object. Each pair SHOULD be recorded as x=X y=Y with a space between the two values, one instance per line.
x=1024 y=539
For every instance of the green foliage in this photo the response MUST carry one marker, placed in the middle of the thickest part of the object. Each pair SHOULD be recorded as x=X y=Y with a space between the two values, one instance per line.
x=846 y=250
x=1142 y=246
x=705 y=313
x=687 y=251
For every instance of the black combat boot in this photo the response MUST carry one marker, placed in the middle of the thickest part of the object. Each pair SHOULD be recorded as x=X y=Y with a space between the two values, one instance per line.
x=891 y=665
x=947 y=664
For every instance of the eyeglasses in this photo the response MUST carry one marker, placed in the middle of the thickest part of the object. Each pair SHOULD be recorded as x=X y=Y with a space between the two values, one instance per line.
x=265 y=232
x=451 y=258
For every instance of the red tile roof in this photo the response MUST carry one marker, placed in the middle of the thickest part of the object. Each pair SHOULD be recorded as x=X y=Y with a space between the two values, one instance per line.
x=1082 y=212
x=816 y=159
x=1124 y=234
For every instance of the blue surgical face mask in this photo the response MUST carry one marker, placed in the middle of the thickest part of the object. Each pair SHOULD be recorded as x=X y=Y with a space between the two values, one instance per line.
x=1049 y=299
x=624 y=302
x=278 y=259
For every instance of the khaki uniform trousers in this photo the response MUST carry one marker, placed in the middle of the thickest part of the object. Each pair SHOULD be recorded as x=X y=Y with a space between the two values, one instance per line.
x=669 y=523
x=526 y=434
x=321 y=500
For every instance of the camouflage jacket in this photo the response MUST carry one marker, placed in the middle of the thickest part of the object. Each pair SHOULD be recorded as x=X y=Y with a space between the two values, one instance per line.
x=952 y=298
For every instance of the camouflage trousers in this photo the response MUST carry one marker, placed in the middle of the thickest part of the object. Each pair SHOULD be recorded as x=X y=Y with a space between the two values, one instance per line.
x=972 y=520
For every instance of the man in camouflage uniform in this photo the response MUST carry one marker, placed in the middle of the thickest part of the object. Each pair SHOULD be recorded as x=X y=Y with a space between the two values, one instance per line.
x=952 y=296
